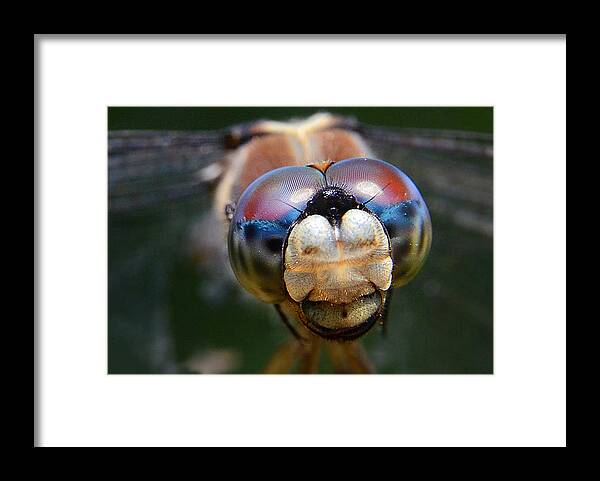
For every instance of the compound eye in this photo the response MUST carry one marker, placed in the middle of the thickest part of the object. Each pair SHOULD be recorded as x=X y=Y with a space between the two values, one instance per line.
x=390 y=194
x=259 y=227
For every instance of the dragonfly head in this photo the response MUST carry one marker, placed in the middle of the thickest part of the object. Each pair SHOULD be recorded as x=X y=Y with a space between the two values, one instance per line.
x=333 y=242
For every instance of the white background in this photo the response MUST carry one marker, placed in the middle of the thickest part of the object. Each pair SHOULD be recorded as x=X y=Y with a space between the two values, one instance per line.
x=523 y=403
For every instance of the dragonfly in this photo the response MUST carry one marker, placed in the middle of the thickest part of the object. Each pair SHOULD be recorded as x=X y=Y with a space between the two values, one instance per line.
x=315 y=216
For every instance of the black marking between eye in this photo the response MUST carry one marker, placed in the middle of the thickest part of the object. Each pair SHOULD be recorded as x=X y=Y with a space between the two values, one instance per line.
x=331 y=202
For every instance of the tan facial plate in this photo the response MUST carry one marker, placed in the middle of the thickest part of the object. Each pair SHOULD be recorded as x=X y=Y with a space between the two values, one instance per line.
x=337 y=264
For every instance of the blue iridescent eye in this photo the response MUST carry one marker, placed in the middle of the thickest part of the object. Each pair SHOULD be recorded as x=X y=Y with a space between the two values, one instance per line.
x=390 y=194
x=259 y=227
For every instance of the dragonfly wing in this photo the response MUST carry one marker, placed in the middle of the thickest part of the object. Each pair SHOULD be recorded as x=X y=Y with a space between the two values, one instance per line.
x=158 y=188
x=154 y=169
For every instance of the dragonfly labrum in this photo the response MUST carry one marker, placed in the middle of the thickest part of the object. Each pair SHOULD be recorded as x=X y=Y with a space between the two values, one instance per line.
x=306 y=215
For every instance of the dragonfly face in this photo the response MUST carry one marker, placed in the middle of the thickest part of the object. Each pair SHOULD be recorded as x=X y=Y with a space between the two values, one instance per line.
x=332 y=239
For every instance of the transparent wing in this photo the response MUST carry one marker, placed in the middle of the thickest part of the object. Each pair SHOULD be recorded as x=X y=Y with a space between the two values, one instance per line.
x=157 y=188
x=153 y=169
x=450 y=141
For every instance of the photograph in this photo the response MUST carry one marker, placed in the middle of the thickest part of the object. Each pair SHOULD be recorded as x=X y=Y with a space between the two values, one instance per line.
x=300 y=240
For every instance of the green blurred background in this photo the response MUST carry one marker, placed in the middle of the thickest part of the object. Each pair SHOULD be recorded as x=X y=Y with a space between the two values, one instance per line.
x=166 y=315
x=477 y=119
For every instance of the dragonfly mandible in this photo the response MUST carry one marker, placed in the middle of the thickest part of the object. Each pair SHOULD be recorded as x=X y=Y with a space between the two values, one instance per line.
x=304 y=212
